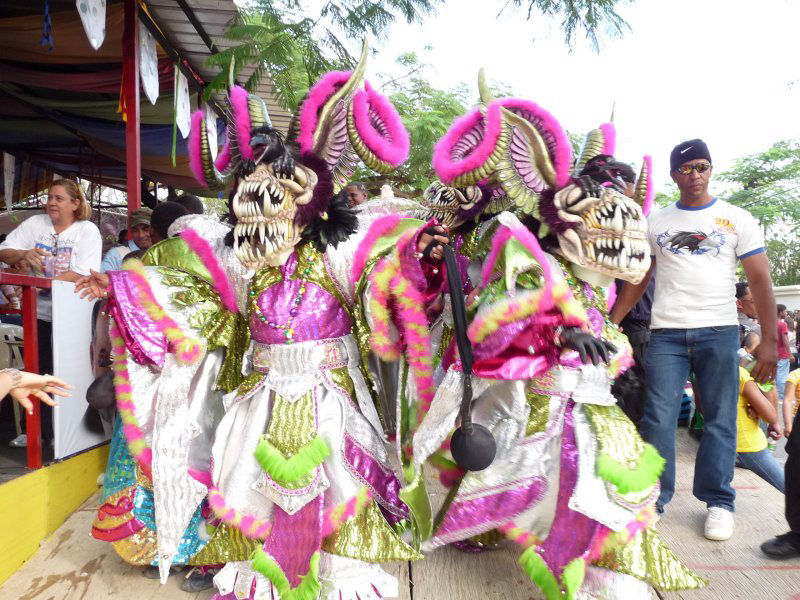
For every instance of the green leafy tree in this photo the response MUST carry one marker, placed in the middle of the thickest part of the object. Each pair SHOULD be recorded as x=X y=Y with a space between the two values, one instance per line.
x=296 y=44
x=767 y=185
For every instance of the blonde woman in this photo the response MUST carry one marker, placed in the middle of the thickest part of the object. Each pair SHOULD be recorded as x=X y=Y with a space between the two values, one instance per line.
x=61 y=244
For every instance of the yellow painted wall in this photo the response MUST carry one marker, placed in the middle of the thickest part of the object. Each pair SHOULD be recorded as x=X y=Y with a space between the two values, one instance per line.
x=35 y=505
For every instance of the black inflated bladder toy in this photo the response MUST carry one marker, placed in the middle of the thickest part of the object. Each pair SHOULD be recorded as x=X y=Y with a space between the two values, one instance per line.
x=472 y=445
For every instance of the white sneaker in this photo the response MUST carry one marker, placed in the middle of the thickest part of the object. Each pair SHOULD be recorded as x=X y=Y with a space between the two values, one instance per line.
x=719 y=524
x=21 y=441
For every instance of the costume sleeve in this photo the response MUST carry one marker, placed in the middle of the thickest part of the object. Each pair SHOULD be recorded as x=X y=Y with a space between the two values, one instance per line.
x=750 y=239
x=89 y=250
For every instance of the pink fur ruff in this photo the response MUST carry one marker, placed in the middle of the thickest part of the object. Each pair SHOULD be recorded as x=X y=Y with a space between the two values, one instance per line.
x=335 y=517
x=551 y=131
x=241 y=118
x=317 y=97
x=609 y=138
x=448 y=169
x=195 y=148
x=252 y=528
x=501 y=236
x=393 y=146
x=379 y=228
x=649 y=194
x=219 y=280
x=224 y=157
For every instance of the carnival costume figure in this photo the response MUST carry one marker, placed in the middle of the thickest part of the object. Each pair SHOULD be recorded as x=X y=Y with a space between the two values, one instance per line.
x=571 y=480
x=250 y=383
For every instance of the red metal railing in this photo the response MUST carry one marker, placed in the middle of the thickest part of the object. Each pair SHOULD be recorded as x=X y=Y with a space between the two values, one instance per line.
x=30 y=348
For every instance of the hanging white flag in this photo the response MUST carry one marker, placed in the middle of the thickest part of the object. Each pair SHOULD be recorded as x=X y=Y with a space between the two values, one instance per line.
x=183 y=117
x=93 y=17
x=211 y=129
x=8 y=179
x=148 y=64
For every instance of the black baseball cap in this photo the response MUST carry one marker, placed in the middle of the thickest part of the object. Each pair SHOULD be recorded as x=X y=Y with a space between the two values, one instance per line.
x=686 y=151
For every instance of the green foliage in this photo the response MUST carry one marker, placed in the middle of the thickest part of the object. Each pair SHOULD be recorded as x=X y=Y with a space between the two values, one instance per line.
x=586 y=15
x=281 y=39
x=768 y=186
x=670 y=196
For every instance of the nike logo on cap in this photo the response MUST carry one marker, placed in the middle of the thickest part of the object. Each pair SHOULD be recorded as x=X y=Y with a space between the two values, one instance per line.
x=685 y=150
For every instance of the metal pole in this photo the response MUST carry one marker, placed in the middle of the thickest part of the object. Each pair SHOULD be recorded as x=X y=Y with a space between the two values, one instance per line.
x=30 y=349
x=130 y=70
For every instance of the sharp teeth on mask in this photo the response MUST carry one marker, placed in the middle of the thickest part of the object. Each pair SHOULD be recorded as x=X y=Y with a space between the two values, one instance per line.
x=617 y=223
x=261 y=227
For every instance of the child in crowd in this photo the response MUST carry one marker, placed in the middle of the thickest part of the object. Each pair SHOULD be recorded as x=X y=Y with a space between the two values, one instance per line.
x=791 y=400
x=751 y=443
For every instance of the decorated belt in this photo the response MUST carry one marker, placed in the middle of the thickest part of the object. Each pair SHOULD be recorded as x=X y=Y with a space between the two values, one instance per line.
x=304 y=356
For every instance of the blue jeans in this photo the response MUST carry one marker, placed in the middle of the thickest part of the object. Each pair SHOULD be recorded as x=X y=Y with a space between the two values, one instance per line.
x=764 y=464
x=781 y=376
x=709 y=353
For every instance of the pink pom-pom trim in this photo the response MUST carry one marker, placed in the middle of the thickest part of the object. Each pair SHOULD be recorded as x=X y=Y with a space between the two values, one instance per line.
x=241 y=119
x=393 y=147
x=195 y=148
x=317 y=97
x=219 y=280
x=224 y=157
x=609 y=138
x=543 y=120
x=448 y=169
x=379 y=228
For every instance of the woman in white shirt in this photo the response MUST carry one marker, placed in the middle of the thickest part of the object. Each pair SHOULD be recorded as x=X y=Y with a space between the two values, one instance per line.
x=61 y=244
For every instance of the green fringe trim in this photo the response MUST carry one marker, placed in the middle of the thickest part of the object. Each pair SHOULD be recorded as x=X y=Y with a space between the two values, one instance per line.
x=627 y=480
x=285 y=471
x=309 y=587
x=542 y=576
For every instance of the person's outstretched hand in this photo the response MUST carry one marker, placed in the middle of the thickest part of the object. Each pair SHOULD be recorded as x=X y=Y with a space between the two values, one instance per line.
x=93 y=286
x=586 y=345
x=31 y=384
x=429 y=245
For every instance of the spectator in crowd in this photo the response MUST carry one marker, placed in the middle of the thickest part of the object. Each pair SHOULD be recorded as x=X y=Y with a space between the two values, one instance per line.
x=122 y=237
x=629 y=388
x=696 y=243
x=784 y=351
x=140 y=240
x=62 y=244
x=746 y=308
x=787 y=545
x=790 y=320
x=356 y=194
x=163 y=216
x=791 y=400
x=751 y=444
x=192 y=204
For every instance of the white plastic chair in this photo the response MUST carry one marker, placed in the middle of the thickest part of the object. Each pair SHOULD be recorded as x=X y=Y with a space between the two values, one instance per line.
x=11 y=357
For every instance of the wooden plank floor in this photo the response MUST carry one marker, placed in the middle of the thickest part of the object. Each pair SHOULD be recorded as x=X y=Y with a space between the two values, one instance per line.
x=73 y=566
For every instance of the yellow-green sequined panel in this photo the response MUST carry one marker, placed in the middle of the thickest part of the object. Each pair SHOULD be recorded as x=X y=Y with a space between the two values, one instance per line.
x=369 y=537
x=616 y=434
x=648 y=558
x=539 y=405
x=227 y=544
x=291 y=424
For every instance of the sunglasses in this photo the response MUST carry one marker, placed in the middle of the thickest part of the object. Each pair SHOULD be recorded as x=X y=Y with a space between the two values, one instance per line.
x=699 y=167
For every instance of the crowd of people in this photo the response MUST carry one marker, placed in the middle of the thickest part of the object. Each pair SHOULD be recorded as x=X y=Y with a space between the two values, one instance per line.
x=287 y=379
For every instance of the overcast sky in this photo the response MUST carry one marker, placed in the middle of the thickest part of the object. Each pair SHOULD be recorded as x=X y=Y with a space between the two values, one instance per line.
x=721 y=70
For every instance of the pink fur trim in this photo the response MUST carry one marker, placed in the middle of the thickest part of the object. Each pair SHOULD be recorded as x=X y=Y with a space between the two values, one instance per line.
x=393 y=147
x=649 y=194
x=447 y=168
x=203 y=477
x=609 y=132
x=379 y=228
x=224 y=157
x=195 y=147
x=252 y=528
x=546 y=124
x=501 y=236
x=219 y=280
x=317 y=97
x=241 y=119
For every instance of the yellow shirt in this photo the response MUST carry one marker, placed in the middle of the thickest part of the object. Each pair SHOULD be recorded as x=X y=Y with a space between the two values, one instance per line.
x=794 y=377
x=749 y=437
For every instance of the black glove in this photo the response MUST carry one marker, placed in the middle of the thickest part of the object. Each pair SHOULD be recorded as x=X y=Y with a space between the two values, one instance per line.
x=586 y=345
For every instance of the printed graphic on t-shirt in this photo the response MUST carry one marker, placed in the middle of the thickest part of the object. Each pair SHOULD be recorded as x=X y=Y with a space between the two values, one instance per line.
x=58 y=264
x=691 y=242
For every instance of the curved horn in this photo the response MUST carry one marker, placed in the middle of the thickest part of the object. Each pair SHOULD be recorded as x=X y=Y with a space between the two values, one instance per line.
x=376 y=131
x=483 y=88
x=644 y=192
x=200 y=158
x=602 y=140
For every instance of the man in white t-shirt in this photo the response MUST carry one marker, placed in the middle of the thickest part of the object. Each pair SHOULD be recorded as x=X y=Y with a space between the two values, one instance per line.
x=696 y=244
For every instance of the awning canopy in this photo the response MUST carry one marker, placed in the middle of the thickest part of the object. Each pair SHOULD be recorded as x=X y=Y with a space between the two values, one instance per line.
x=59 y=106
